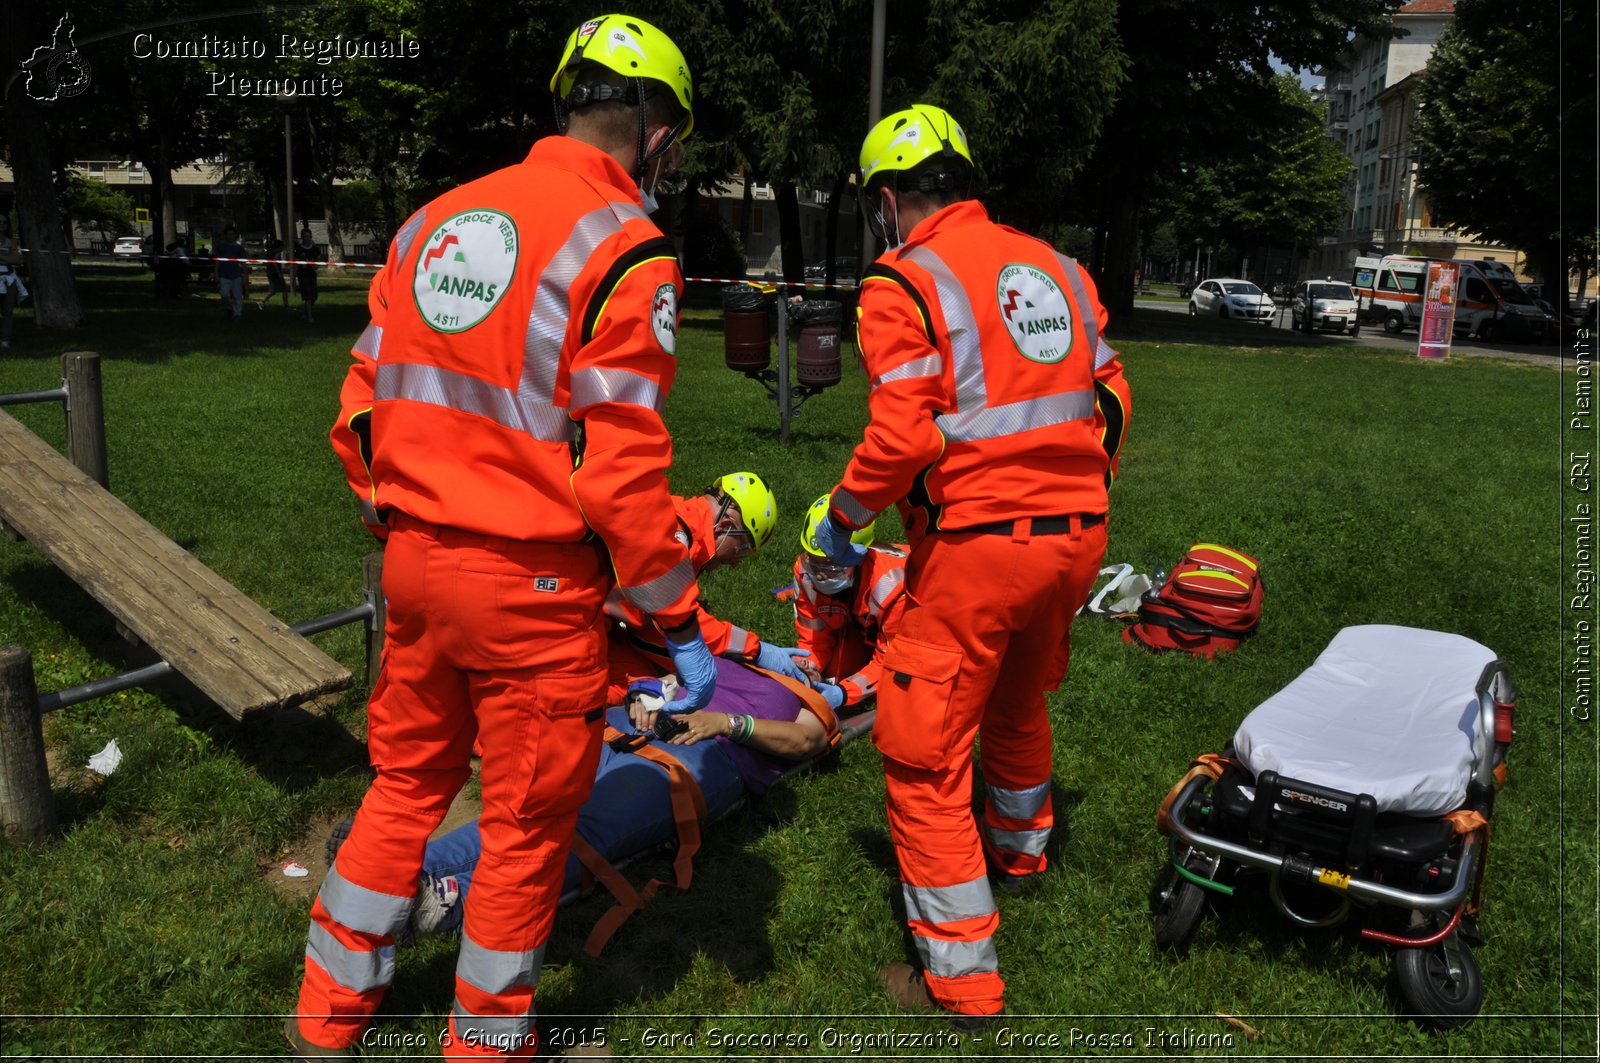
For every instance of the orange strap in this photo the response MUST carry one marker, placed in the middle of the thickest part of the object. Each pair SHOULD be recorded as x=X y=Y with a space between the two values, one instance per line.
x=813 y=701
x=688 y=813
x=1210 y=764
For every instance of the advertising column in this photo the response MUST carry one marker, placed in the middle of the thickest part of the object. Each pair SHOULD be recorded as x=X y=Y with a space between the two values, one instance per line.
x=1438 y=311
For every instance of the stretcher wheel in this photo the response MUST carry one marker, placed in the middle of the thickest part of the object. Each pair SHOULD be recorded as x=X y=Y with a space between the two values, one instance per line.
x=1432 y=993
x=1178 y=914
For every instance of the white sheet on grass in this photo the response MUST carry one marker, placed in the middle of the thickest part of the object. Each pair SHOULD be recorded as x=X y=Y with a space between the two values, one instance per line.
x=1388 y=711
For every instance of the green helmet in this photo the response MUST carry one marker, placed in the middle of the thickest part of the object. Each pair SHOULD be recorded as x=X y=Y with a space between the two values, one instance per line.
x=808 y=535
x=906 y=138
x=758 y=507
x=633 y=48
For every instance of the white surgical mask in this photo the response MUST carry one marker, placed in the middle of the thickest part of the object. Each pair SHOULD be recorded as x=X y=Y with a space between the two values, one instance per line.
x=647 y=196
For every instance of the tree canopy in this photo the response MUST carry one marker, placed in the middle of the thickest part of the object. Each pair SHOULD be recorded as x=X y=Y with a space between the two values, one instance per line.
x=1503 y=83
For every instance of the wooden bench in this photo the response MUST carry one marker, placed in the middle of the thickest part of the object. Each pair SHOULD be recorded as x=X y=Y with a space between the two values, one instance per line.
x=238 y=654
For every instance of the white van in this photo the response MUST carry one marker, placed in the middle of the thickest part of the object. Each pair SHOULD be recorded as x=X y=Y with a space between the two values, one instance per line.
x=1489 y=299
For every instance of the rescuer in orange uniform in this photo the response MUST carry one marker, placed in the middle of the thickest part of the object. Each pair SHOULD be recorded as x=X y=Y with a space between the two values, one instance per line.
x=843 y=614
x=502 y=427
x=996 y=414
x=731 y=521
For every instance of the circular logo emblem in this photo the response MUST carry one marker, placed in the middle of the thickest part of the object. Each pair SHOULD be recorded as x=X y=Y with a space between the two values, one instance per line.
x=1036 y=313
x=664 y=317
x=464 y=269
x=68 y=74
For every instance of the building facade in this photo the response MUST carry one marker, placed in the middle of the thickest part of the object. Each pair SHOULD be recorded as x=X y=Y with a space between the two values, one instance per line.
x=1371 y=100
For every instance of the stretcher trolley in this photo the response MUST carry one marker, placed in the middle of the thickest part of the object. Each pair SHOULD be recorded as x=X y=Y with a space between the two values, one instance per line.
x=1365 y=784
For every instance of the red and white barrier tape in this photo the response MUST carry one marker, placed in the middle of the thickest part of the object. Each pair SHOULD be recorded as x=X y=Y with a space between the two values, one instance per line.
x=142 y=255
x=192 y=259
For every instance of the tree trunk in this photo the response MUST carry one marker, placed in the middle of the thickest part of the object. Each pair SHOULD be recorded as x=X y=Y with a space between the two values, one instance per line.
x=747 y=217
x=830 y=244
x=794 y=255
x=322 y=166
x=1115 y=276
x=55 y=295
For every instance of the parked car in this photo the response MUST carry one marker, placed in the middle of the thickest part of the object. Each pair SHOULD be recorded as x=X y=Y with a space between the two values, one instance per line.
x=843 y=269
x=128 y=247
x=1231 y=297
x=1325 y=304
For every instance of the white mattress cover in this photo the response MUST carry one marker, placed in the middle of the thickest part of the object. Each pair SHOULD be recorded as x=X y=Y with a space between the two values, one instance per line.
x=1388 y=711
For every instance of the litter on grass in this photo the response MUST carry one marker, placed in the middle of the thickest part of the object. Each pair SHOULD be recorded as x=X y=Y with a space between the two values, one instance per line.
x=105 y=762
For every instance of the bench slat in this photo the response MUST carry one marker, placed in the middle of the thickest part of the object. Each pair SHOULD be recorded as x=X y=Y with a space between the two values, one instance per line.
x=236 y=652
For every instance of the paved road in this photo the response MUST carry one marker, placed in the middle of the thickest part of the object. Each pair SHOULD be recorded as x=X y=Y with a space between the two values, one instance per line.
x=1374 y=336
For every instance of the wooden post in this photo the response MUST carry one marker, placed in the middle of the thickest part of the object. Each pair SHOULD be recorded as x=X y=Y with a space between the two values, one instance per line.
x=86 y=414
x=372 y=591
x=27 y=811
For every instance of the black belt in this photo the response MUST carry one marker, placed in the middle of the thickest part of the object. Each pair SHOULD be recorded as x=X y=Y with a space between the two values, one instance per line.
x=1067 y=524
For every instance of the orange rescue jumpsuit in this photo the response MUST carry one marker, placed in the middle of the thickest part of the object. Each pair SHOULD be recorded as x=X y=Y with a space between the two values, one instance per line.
x=845 y=634
x=996 y=413
x=502 y=427
x=637 y=649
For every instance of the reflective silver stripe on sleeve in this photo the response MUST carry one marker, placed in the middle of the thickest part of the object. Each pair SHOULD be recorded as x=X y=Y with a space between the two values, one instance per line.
x=354 y=970
x=1019 y=804
x=737 y=638
x=957 y=959
x=947 y=904
x=1026 y=842
x=408 y=233
x=658 y=594
x=1103 y=354
x=547 y=321
x=929 y=365
x=962 y=329
x=494 y=971
x=359 y=908
x=1080 y=300
x=882 y=589
x=1017 y=417
x=437 y=386
x=863 y=683
x=853 y=511
x=369 y=341
x=595 y=385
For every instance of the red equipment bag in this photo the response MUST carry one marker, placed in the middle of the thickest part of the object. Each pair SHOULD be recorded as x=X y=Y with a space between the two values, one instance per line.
x=1210 y=603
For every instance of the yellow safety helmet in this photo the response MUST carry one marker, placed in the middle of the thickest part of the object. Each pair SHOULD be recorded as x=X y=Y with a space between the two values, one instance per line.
x=758 y=507
x=906 y=138
x=633 y=48
x=808 y=535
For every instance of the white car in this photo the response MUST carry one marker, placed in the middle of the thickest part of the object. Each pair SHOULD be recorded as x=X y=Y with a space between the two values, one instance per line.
x=127 y=247
x=1231 y=297
x=1326 y=304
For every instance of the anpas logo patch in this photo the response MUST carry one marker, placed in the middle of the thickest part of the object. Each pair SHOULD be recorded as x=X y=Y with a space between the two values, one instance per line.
x=1036 y=313
x=464 y=269
x=664 y=317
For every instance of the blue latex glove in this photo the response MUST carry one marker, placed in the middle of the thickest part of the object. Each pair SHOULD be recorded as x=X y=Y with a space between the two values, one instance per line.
x=833 y=694
x=696 y=669
x=780 y=660
x=834 y=542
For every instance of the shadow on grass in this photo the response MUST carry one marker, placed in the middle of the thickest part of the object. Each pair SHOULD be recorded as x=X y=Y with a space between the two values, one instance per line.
x=125 y=321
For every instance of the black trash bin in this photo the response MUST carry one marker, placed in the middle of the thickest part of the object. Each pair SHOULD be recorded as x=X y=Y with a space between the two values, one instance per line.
x=747 y=327
x=820 y=321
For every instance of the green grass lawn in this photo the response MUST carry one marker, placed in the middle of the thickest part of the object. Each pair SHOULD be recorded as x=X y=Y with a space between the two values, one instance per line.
x=1374 y=489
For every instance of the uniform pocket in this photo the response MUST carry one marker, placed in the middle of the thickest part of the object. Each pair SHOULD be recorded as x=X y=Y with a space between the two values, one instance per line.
x=561 y=748
x=914 y=696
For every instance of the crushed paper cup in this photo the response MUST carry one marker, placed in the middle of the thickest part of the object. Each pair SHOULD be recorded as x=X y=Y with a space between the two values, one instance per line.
x=294 y=869
x=105 y=762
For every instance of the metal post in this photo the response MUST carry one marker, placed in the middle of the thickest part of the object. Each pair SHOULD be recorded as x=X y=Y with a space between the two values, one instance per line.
x=783 y=367
x=372 y=594
x=27 y=810
x=86 y=415
x=874 y=112
x=288 y=191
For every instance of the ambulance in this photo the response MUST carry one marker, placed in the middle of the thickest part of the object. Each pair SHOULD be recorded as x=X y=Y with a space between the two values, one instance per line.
x=1389 y=292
